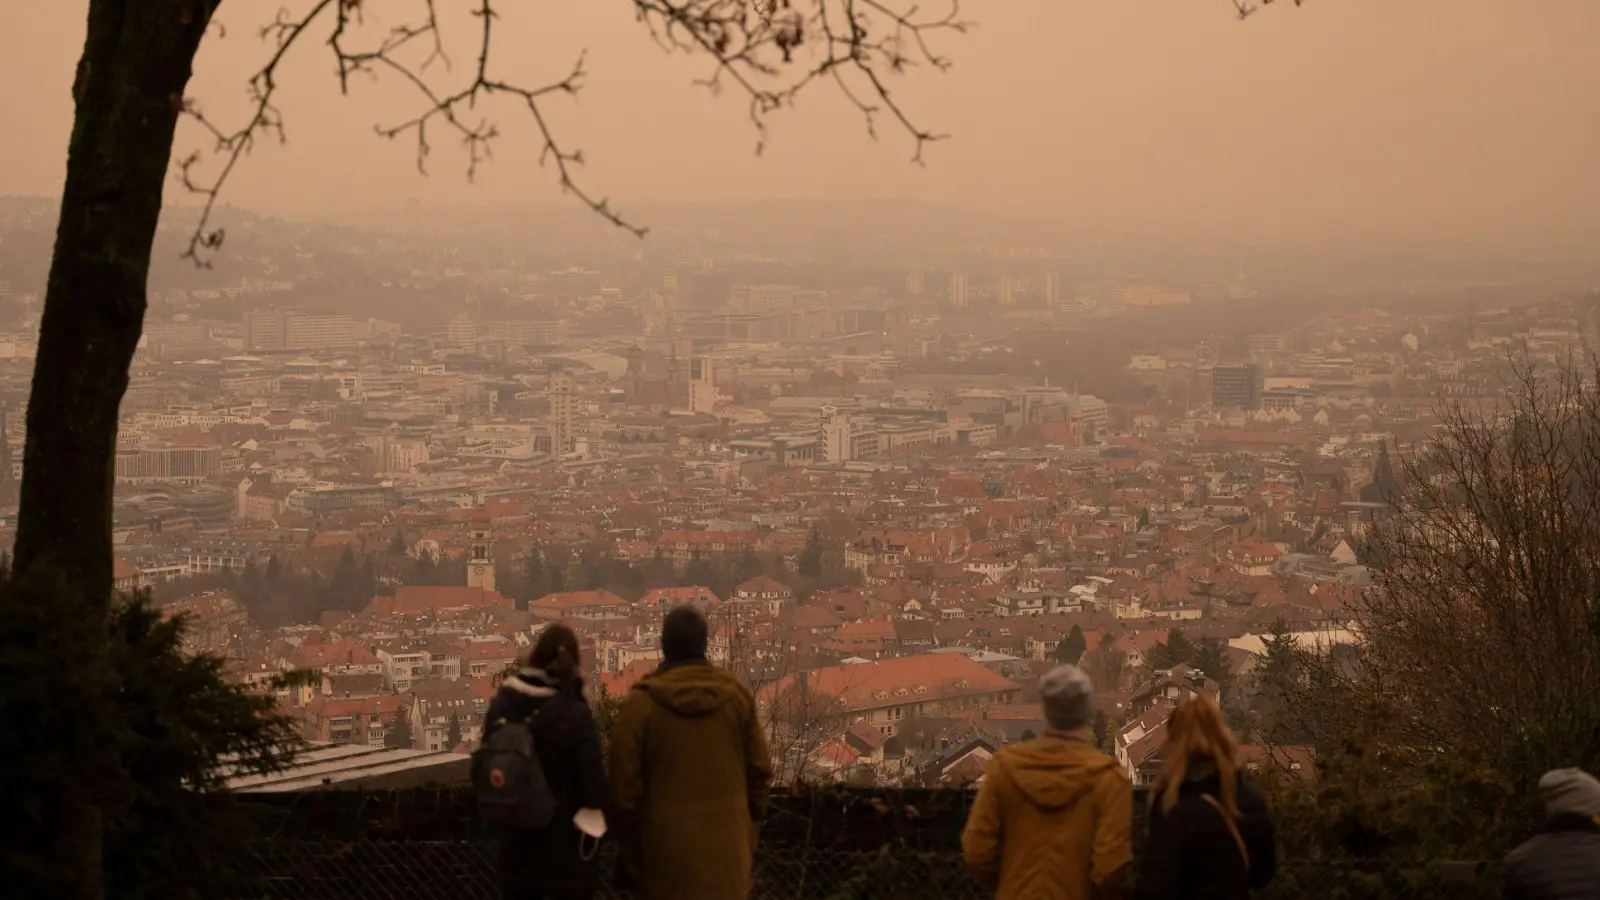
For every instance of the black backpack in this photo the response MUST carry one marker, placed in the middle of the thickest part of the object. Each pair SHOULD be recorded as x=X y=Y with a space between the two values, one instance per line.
x=510 y=783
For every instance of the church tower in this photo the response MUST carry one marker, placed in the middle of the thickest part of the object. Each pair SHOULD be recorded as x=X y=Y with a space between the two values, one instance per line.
x=480 y=554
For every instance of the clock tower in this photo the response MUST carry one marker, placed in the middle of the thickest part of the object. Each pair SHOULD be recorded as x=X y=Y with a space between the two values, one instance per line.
x=480 y=554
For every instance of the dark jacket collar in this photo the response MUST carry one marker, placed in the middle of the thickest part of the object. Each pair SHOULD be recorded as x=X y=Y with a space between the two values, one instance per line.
x=1571 y=822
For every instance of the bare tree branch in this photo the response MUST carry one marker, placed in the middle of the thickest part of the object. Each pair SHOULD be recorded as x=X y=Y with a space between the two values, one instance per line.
x=770 y=50
x=265 y=119
x=754 y=45
x=1246 y=7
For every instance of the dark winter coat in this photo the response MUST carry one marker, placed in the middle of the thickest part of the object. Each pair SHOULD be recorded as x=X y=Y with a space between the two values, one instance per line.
x=689 y=770
x=568 y=747
x=1560 y=863
x=1190 y=853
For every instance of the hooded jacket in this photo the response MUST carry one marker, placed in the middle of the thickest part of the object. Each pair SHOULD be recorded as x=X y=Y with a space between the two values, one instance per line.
x=1561 y=863
x=689 y=775
x=1053 y=820
x=568 y=748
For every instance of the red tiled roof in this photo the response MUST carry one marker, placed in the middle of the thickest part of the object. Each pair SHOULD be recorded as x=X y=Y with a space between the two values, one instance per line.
x=332 y=653
x=415 y=600
x=578 y=599
x=923 y=678
x=663 y=597
x=122 y=570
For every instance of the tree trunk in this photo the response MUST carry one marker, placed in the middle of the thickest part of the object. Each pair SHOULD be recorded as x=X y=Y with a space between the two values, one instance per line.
x=128 y=93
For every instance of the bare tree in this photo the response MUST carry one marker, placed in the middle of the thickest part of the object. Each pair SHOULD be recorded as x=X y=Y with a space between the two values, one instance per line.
x=1482 y=639
x=799 y=719
x=130 y=91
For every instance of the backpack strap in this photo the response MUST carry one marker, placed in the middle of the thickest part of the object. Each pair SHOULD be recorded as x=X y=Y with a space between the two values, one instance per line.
x=1233 y=829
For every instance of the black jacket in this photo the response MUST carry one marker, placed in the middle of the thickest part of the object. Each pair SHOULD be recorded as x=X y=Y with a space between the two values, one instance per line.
x=569 y=752
x=1190 y=853
x=1560 y=863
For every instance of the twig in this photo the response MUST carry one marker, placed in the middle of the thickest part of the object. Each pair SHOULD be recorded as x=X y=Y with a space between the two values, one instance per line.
x=770 y=50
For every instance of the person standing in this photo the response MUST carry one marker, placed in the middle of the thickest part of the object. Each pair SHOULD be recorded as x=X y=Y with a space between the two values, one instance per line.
x=1053 y=819
x=556 y=862
x=1562 y=862
x=1211 y=834
x=689 y=773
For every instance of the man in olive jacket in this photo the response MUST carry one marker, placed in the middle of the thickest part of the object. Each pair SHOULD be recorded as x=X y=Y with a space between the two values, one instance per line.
x=689 y=773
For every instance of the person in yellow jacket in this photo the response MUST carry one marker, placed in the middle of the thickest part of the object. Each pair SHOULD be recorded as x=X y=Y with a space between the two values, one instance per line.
x=689 y=773
x=1053 y=819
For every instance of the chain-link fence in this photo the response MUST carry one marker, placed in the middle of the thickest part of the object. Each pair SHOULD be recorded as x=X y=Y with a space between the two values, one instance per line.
x=457 y=870
x=422 y=845
x=817 y=845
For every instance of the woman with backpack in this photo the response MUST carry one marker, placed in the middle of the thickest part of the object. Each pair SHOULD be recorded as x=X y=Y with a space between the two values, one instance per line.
x=1210 y=834
x=557 y=861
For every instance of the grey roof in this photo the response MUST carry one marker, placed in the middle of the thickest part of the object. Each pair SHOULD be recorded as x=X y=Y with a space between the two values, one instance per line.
x=356 y=766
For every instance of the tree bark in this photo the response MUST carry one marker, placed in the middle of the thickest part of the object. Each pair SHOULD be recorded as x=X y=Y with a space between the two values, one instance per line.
x=128 y=93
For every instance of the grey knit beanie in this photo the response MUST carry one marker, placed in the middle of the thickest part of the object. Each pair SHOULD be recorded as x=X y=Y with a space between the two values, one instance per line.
x=1570 y=792
x=1068 y=697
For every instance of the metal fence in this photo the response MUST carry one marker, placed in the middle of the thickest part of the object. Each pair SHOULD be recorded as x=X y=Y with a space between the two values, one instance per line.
x=455 y=870
x=835 y=845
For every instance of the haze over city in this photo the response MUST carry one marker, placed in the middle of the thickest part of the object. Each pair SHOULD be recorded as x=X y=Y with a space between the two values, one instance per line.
x=1360 y=121
x=1176 y=480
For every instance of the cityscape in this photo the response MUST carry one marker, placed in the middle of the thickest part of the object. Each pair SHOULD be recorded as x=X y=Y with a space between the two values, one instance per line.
x=800 y=450
x=912 y=487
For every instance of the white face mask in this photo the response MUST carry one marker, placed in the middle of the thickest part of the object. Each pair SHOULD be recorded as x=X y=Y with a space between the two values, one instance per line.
x=591 y=822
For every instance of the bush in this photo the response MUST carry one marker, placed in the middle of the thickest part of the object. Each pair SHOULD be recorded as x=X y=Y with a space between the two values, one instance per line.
x=158 y=731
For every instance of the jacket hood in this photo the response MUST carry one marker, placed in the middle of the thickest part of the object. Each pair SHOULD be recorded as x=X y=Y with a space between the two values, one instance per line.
x=690 y=690
x=531 y=682
x=1054 y=772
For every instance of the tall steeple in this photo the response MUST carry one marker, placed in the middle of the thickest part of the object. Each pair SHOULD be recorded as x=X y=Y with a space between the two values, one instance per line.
x=480 y=553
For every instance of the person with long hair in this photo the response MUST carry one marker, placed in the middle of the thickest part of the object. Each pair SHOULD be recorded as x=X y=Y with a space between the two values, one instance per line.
x=1211 y=835
x=557 y=862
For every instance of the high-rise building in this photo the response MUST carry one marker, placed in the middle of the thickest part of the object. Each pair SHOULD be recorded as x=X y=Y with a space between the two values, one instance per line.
x=916 y=283
x=181 y=465
x=702 y=385
x=294 y=329
x=763 y=297
x=1264 y=344
x=462 y=331
x=526 y=331
x=960 y=291
x=575 y=283
x=1236 y=387
x=563 y=402
x=835 y=434
x=1052 y=288
x=1009 y=289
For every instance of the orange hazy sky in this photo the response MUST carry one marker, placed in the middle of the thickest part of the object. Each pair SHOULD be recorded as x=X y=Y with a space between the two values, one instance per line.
x=1444 y=118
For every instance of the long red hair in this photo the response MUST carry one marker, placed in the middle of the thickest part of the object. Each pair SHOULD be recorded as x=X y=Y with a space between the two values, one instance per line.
x=1197 y=733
